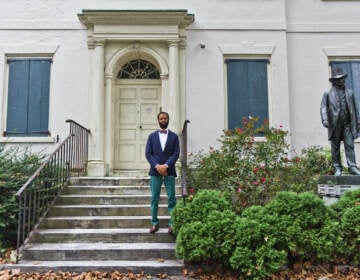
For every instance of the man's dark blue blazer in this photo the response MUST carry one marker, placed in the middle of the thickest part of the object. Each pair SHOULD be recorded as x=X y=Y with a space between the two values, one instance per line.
x=155 y=155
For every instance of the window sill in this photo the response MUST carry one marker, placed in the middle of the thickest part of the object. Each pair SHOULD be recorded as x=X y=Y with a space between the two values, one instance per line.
x=15 y=140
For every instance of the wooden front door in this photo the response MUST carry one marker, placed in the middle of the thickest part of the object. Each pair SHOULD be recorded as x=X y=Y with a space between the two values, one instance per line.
x=136 y=108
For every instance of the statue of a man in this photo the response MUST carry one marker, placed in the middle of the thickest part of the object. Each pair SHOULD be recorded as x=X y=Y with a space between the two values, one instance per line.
x=340 y=116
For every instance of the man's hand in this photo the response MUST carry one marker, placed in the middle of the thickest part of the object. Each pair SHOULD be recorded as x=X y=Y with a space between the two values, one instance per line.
x=162 y=169
x=326 y=124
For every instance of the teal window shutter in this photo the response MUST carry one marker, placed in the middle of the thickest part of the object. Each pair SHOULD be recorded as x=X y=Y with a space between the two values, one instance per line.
x=28 y=97
x=352 y=81
x=16 y=121
x=247 y=90
x=38 y=112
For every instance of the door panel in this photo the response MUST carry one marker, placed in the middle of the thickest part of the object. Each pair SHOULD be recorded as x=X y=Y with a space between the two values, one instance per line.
x=136 y=108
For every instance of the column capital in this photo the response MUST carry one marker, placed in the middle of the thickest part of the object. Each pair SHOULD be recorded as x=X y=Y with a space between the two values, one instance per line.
x=92 y=43
x=173 y=43
x=164 y=76
x=109 y=76
x=182 y=44
x=99 y=42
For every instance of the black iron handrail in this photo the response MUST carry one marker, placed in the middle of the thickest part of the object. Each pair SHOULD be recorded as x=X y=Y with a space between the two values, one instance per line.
x=39 y=192
x=183 y=160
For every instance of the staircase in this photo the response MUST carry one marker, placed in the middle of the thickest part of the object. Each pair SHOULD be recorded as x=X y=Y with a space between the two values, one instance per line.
x=103 y=224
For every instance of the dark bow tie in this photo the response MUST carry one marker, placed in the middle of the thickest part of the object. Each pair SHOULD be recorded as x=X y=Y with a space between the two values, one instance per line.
x=163 y=131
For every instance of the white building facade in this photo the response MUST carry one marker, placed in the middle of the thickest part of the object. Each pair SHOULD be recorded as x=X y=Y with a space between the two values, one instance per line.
x=113 y=65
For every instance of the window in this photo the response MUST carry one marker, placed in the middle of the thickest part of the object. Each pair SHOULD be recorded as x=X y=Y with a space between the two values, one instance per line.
x=139 y=69
x=247 y=90
x=28 y=97
x=352 y=81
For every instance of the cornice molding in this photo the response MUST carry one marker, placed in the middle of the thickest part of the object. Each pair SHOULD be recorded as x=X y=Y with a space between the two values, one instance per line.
x=272 y=25
x=180 y=18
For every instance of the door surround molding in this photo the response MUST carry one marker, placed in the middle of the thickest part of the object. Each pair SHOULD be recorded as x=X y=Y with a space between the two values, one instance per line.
x=139 y=31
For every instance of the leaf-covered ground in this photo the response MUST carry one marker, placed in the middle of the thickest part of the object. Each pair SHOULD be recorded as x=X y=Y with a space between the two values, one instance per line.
x=316 y=273
x=300 y=272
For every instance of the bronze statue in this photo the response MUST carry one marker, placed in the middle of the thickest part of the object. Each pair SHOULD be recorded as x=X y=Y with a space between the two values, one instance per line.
x=340 y=116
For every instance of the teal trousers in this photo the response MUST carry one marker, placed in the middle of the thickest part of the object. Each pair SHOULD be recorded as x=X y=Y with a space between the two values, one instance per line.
x=155 y=185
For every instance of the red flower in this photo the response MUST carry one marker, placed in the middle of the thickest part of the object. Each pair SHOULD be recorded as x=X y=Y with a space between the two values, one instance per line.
x=256 y=169
x=239 y=189
x=191 y=190
x=238 y=130
x=262 y=179
x=255 y=183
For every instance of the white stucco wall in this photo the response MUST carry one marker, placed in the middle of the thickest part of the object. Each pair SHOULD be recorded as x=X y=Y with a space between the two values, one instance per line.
x=318 y=31
x=297 y=32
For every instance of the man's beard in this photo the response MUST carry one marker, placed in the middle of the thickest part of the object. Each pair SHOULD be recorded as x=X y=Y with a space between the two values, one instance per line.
x=163 y=125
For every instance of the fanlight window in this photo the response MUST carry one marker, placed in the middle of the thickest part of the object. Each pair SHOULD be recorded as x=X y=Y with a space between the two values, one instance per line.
x=138 y=69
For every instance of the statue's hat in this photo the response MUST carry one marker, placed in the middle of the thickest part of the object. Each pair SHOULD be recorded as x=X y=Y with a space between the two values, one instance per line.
x=337 y=73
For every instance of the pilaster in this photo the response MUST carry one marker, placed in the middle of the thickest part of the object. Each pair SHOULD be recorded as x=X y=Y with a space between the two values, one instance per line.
x=174 y=98
x=96 y=165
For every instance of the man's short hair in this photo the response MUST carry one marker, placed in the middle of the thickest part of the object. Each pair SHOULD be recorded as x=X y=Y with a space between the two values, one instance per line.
x=164 y=114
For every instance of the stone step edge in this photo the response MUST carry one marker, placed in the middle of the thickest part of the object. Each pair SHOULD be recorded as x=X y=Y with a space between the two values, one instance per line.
x=104 y=218
x=111 y=196
x=147 y=266
x=112 y=186
x=99 y=231
x=104 y=205
x=97 y=246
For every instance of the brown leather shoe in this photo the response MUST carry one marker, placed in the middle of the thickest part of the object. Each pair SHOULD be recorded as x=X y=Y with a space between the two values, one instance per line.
x=170 y=231
x=154 y=229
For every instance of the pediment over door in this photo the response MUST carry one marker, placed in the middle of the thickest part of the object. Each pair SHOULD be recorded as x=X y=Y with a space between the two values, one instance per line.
x=130 y=25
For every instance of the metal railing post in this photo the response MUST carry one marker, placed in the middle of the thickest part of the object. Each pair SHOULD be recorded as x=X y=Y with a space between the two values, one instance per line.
x=183 y=160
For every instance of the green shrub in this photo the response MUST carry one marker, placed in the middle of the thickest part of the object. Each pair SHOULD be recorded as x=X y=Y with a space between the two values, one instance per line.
x=304 y=226
x=350 y=230
x=209 y=241
x=199 y=208
x=16 y=166
x=290 y=228
x=255 y=254
x=349 y=199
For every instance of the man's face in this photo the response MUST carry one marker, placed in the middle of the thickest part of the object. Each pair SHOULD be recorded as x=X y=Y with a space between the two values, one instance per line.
x=163 y=121
x=339 y=83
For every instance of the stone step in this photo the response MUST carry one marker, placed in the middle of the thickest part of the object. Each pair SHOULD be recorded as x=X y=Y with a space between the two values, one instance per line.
x=98 y=251
x=113 y=181
x=108 y=235
x=100 y=222
x=130 y=173
x=110 y=181
x=107 y=199
x=104 y=210
x=111 y=190
x=152 y=267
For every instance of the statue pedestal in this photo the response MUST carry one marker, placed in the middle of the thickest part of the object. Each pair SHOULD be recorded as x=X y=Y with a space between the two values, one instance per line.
x=331 y=187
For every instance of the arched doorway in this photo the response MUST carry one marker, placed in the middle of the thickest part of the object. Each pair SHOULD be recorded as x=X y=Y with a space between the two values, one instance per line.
x=137 y=101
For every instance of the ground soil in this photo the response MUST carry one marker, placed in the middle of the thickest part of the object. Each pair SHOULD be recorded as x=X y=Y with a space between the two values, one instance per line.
x=315 y=273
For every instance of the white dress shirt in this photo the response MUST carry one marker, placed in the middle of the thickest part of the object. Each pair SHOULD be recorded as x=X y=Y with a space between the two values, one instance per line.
x=163 y=138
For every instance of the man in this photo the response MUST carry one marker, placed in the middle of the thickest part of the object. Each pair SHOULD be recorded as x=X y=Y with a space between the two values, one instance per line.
x=162 y=152
x=340 y=116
